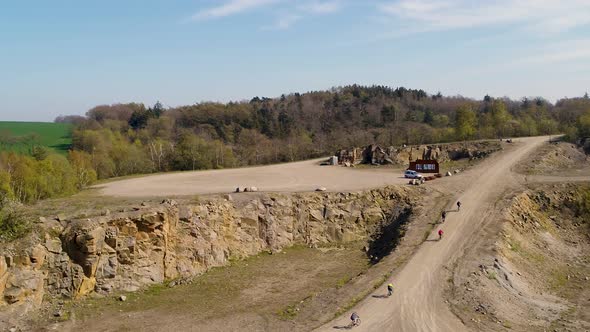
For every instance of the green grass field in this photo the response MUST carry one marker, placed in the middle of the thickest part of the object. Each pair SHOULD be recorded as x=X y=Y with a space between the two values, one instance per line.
x=56 y=136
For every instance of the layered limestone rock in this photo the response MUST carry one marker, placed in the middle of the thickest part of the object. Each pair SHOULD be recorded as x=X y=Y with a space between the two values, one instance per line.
x=374 y=154
x=22 y=277
x=125 y=251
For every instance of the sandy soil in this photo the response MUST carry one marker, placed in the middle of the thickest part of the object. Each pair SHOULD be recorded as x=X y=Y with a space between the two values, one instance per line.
x=558 y=159
x=417 y=304
x=291 y=177
x=514 y=275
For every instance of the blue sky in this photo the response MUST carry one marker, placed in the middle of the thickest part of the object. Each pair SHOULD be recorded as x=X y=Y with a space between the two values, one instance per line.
x=64 y=57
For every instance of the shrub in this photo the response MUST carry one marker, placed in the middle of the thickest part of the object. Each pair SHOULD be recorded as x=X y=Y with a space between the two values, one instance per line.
x=14 y=221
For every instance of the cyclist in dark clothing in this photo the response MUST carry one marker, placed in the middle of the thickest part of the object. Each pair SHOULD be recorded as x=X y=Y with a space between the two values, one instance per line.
x=356 y=320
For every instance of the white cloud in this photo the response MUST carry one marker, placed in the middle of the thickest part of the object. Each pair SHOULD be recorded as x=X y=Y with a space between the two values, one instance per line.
x=567 y=51
x=540 y=15
x=231 y=8
x=284 y=22
x=565 y=55
x=325 y=7
x=290 y=16
x=289 y=12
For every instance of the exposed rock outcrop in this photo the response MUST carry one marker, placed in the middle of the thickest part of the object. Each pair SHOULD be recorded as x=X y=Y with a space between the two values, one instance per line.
x=128 y=250
x=374 y=154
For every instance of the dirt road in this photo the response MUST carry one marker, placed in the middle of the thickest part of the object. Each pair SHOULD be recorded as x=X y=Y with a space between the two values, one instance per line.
x=417 y=303
x=291 y=177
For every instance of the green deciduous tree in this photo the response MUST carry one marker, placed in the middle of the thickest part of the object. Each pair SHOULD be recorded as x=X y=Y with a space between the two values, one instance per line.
x=39 y=152
x=465 y=122
x=84 y=173
x=584 y=124
x=500 y=117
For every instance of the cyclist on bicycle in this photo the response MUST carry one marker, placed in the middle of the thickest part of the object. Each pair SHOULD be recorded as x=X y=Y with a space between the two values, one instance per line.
x=389 y=289
x=440 y=234
x=458 y=205
x=444 y=216
x=356 y=320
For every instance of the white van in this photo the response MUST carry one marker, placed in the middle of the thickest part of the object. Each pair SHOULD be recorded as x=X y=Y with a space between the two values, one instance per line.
x=412 y=174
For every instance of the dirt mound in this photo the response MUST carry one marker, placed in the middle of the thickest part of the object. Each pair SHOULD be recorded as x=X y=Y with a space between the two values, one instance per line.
x=537 y=275
x=556 y=158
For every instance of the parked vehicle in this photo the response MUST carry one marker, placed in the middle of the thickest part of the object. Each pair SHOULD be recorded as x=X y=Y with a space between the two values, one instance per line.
x=412 y=174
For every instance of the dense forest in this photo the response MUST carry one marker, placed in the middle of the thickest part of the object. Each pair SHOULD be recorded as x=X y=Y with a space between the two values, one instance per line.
x=122 y=139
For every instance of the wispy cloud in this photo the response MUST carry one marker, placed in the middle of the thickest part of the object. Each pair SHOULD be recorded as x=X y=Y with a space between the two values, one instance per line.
x=322 y=7
x=566 y=51
x=288 y=12
x=231 y=8
x=290 y=16
x=573 y=54
x=539 y=15
x=285 y=22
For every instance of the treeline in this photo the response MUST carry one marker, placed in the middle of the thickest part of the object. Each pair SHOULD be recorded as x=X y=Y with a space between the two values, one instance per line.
x=122 y=139
x=26 y=179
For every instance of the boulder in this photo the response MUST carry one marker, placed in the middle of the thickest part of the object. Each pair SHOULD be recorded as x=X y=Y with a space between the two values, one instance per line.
x=14 y=294
x=169 y=202
x=185 y=213
x=53 y=245
x=449 y=174
x=37 y=256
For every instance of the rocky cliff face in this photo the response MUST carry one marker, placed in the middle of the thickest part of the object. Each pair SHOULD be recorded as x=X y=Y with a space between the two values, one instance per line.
x=128 y=250
x=374 y=154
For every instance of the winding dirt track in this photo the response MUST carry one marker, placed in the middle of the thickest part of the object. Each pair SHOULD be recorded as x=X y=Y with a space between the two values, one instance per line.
x=417 y=303
x=292 y=177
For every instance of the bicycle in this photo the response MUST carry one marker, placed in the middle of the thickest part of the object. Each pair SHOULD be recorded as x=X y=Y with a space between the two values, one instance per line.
x=355 y=320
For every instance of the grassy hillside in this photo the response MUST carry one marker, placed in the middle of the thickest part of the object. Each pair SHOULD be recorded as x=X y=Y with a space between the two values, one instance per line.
x=56 y=136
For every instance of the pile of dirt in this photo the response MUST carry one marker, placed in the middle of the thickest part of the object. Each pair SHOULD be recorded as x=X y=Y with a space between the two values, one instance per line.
x=537 y=275
x=555 y=159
